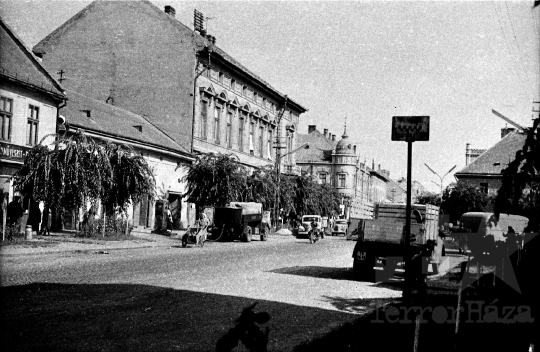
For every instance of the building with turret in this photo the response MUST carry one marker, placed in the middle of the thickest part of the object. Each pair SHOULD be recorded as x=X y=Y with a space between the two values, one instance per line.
x=338 y=163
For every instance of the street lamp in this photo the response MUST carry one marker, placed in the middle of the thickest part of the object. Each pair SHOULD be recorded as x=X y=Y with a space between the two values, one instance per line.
x=440 y=178
x=278 y=171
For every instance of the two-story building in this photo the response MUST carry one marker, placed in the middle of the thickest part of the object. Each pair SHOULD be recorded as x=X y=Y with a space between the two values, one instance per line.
x=29 y=103
x=140 y=58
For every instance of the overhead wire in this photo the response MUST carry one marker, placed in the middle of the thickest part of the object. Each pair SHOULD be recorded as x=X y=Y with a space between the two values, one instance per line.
x=526 y=92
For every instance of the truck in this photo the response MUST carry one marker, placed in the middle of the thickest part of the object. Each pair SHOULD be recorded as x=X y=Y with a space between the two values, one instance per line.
x=240 y=221
x=383 y=238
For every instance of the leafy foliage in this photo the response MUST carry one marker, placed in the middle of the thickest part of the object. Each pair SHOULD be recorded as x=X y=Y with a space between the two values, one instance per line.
x=78 y=170
x=520 y=189
x=460 y=198
x=429 y=198
x=217 y=179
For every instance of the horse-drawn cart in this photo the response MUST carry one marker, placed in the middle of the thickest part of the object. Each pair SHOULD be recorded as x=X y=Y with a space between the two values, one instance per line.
x=195 y=234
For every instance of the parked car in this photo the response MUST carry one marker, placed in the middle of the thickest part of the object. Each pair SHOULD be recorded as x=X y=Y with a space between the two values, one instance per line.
x=305 y=226
x=340 y=227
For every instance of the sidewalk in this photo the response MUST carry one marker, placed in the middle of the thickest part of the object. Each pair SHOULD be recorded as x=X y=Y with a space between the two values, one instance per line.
x=61 y=242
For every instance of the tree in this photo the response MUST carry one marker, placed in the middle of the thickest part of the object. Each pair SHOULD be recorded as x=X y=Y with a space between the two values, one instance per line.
x=520 y=189
x=215 y=180
x=429 y=198
x=78 y=170
x=459 y=198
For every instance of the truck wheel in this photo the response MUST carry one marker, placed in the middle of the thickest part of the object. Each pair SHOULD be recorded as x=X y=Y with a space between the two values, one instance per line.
x=364 y=270
x=247 y=236
x=184 y=241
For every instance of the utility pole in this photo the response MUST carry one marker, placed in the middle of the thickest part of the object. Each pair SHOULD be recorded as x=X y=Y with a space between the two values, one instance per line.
x=440 y=178
x=278 y=147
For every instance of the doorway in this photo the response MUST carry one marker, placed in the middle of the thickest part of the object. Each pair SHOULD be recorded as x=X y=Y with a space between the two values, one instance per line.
x=175 y=205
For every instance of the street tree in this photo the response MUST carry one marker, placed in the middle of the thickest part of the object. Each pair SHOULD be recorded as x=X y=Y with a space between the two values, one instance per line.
x=76 y=170
x=459 y=198
x=215 y=180
x=429 y=198
x=520 y=189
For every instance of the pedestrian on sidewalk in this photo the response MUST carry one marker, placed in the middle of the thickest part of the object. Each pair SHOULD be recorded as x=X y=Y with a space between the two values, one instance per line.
x=34 y=217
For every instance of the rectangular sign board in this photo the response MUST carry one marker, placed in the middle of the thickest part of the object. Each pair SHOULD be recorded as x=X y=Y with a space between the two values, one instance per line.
x=410 y=128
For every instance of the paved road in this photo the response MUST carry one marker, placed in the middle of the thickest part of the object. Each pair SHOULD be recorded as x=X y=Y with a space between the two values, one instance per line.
x=300 y=284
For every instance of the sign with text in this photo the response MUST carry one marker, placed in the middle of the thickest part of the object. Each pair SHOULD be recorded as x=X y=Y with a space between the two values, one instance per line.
x=12 y=151
x=410 y=128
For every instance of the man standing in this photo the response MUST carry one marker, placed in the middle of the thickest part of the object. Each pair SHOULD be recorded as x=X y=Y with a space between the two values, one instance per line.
x=14 y=213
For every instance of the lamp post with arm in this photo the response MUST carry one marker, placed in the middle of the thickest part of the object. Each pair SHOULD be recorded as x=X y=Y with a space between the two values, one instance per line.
x=440 y=178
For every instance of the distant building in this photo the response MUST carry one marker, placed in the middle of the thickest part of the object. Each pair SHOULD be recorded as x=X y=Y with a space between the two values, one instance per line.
x=337 y=163
x=485 y=171
x=135 y=56
x=29 y=101
x=417 y=189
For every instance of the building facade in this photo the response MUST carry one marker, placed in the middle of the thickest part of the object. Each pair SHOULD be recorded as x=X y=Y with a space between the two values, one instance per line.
x=105 y=122
x=337 y=163
x=485 y=171
x=134 y=55
x=29 y=103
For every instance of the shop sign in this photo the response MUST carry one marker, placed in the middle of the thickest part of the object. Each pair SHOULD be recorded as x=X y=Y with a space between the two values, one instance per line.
x=13 y=152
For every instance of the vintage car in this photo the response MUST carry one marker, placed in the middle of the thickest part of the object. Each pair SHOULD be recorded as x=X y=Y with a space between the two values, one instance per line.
x=305 y=226
x=340 y=227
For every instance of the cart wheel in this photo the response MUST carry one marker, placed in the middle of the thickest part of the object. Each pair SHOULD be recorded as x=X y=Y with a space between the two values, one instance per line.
x=184 y=241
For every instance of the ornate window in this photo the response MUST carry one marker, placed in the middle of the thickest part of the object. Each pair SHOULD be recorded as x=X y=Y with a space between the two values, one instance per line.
x=341 y=180
x=241 y=122
x=217 y=117
x=32 y=125
x=6 y=113
x=269 y=143
x=322 y=177
x=261 y=143
x=228 y=131
x=203 y=123
x=251 y=132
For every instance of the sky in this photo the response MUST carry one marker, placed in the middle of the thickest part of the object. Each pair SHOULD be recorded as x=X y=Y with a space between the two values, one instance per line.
x=362 y=62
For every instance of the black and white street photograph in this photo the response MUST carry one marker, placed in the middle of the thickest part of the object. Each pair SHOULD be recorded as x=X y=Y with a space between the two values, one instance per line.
x=269 y=175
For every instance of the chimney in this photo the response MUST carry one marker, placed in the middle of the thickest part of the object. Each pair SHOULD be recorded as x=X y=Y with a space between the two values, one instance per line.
x=506 y=130
x=354 y=148
x=311 y=128
x=326 y=132
x=169 y=10
x=333 y=138
x=379 y=167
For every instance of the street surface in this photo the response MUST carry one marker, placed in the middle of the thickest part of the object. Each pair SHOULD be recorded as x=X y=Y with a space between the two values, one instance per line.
x=307 y=288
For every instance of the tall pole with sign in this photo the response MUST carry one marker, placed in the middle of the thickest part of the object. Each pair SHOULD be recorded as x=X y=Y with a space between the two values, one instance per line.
x=409 y=129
